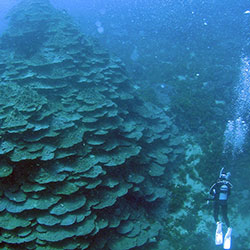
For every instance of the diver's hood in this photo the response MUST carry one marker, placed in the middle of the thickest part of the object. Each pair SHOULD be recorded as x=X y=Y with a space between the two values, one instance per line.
x=224 y=176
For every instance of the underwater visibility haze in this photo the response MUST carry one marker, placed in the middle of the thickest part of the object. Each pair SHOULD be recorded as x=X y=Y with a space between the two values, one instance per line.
x=116 y=117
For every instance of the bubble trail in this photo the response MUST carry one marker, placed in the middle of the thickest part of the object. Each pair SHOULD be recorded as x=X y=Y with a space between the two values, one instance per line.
x=237 y=129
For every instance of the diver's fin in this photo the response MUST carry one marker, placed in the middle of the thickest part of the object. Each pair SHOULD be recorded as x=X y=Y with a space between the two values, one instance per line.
x=219 y=234
x=227 y=239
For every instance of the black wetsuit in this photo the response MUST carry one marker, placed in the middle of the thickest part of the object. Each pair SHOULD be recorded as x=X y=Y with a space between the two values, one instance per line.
x=220 y=192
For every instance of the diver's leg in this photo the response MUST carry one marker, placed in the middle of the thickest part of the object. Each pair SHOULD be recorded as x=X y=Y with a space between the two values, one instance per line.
x=216 y=211
x=224 y=214
x=218 y=232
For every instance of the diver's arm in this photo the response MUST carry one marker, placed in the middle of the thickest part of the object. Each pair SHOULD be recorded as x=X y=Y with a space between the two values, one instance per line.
x=212 y=190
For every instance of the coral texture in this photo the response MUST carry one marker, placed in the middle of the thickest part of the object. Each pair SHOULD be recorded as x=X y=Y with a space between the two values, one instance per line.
x=77 y=146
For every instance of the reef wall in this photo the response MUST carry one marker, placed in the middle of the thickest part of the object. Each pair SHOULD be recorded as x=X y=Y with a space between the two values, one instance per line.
x=81 y=153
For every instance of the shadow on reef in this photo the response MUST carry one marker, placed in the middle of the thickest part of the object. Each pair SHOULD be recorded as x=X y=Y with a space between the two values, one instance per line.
x=76 y=142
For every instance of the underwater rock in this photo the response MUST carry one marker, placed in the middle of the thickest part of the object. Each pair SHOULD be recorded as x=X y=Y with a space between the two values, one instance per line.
x=77 y=142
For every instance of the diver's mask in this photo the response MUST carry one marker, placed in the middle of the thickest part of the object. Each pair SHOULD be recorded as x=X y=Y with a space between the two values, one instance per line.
x=224 y=176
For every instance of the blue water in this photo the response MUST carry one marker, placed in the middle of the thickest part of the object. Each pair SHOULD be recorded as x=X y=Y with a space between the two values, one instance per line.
x=149 y=34
x=192 y=59
x=237 y=129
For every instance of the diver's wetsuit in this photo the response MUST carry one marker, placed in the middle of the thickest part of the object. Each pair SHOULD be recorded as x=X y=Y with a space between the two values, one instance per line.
x=220 y=191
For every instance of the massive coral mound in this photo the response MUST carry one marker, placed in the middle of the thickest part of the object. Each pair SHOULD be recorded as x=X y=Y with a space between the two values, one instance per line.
x=76 y=143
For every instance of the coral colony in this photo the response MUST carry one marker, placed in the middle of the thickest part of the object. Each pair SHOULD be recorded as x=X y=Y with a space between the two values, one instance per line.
x=236 y=129
x=76 y=143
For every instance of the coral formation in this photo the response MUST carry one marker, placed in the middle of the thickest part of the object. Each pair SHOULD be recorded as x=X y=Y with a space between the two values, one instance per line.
x=76 y=143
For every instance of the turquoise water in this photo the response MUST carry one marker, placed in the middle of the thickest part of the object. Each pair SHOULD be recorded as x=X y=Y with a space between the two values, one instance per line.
x=116 y=117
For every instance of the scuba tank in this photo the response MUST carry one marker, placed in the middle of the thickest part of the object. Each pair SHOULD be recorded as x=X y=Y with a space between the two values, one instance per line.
x=223 y=192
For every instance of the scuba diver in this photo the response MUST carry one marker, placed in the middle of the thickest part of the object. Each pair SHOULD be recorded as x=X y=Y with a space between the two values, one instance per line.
x=220 y=192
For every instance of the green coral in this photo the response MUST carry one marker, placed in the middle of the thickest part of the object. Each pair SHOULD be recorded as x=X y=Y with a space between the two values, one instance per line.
x=78 y=146
x=178 y=197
